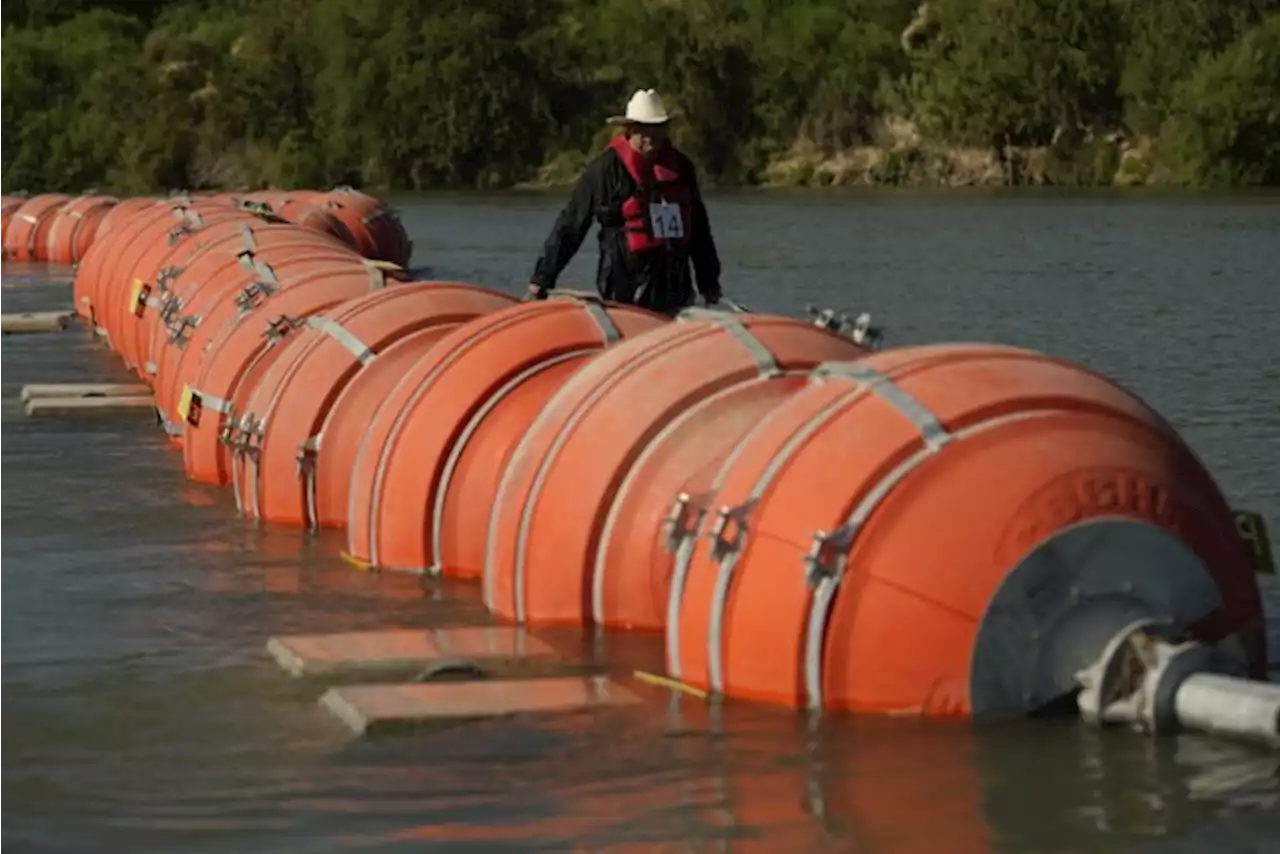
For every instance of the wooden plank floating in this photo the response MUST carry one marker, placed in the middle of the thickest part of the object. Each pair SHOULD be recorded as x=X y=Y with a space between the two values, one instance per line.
x=412 y=650
x=380 y=709
x=88 y=405
x=35 y=390
x=35 y=321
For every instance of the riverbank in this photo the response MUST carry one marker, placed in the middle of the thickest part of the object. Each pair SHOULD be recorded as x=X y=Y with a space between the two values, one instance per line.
x=900 y=157
x=131 y=98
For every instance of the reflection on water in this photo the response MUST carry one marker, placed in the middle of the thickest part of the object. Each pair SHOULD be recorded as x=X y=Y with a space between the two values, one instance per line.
x=141 y=713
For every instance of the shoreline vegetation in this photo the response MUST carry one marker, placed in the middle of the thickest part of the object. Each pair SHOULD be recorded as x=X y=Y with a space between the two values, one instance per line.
x=137 y=96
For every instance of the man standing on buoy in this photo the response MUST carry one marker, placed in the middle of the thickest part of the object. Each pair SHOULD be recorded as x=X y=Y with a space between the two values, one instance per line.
x=653 y=224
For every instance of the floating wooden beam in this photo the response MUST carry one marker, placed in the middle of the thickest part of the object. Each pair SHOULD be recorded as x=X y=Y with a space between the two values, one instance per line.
x=506 y=648
x=381 y=709
x=35 y=390
x=35 y=321
x=88 y=405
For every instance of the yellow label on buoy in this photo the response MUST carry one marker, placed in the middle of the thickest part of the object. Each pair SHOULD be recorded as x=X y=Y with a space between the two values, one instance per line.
x=1253 y=530
x=137 y=300
x=184 y=402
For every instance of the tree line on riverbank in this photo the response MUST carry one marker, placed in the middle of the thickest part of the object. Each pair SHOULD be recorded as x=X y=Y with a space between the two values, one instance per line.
x=138 y=95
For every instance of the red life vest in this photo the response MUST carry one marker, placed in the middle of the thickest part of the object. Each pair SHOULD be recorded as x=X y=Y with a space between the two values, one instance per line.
x=660 y=214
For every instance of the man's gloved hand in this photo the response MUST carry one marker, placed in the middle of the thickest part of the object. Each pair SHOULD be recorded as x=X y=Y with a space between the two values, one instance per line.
x=535 y=292
x=712 y=296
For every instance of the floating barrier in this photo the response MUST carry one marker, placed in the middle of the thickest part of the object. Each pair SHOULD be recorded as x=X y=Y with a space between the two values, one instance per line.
x=633 y=427
x=1059 y=503
x=228 y=276
x=75 y=226
x=9 y=205
x=804 y=520
x=436 y=447
x=26 y=233
x=205 y=389
x=278 y=438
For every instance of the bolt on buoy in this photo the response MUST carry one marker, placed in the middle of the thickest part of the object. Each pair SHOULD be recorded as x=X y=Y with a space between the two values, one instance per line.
x=1152 y=680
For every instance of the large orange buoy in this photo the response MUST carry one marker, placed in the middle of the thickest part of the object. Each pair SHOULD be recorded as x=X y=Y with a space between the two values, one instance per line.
x=26 y=238
x=277 y=435
x=310 y=214
x=75 y=225
x=140 y=274
x=220 y=384
x=377 y=230
x=117 y=229
x=102 y=282
x=951 y=530
x=238 y=260
x=122 y=212
x=229 y=292
x=435 y=448
x=612 y=434
x=9 y=206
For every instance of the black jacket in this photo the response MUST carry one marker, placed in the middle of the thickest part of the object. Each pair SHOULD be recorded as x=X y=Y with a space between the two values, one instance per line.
x=659 y=280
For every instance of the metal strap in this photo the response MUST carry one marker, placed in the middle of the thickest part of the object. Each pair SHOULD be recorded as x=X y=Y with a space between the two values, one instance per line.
x=727 y=552
x=826 y=560
x=731 y=322
x=594 y=306
x=340 y=334
x=935 y=435
x=308 y=452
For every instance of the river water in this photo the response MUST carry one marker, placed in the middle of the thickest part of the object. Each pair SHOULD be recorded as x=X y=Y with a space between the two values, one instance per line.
x=141 y=713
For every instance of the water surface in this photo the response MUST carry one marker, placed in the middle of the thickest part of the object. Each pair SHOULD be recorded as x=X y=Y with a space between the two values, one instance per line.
x=141 y=714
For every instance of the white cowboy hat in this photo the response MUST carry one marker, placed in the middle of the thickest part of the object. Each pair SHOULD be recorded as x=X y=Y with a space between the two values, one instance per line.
x=645 y=108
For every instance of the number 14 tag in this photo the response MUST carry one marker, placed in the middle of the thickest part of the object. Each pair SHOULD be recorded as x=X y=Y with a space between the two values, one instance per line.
x=667 y=222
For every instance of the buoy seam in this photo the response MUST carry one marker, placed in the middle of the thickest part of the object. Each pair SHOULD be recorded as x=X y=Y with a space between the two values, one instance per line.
x=459 y=446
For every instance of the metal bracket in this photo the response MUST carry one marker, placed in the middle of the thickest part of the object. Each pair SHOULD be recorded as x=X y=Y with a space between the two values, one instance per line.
x=252 y=295
x=729 y=530
x=827 y=553
x=165 y=276
x=683 y=519
x=860 y=330
x=240 y=434
x=1135 y=680
x=280 y=326
x=178 y=328
x=308 y=452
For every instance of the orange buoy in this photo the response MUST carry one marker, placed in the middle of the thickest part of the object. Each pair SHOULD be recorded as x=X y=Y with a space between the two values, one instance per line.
x=8 y=207
x=234 y=270
x=115 y=231
x=74 y=226
x=277 y=436
x=124 y=211
x=181 y=342
x=610 y=434
x=950 y=530
x=228 y=369
x=377 y=230
x=26 y=238
x=151 y=270
x=107 y=283
x=301 y=211
x=433 y=452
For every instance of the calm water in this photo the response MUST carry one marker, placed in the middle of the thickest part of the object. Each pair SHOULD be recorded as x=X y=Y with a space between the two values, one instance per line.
x=140 y=713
